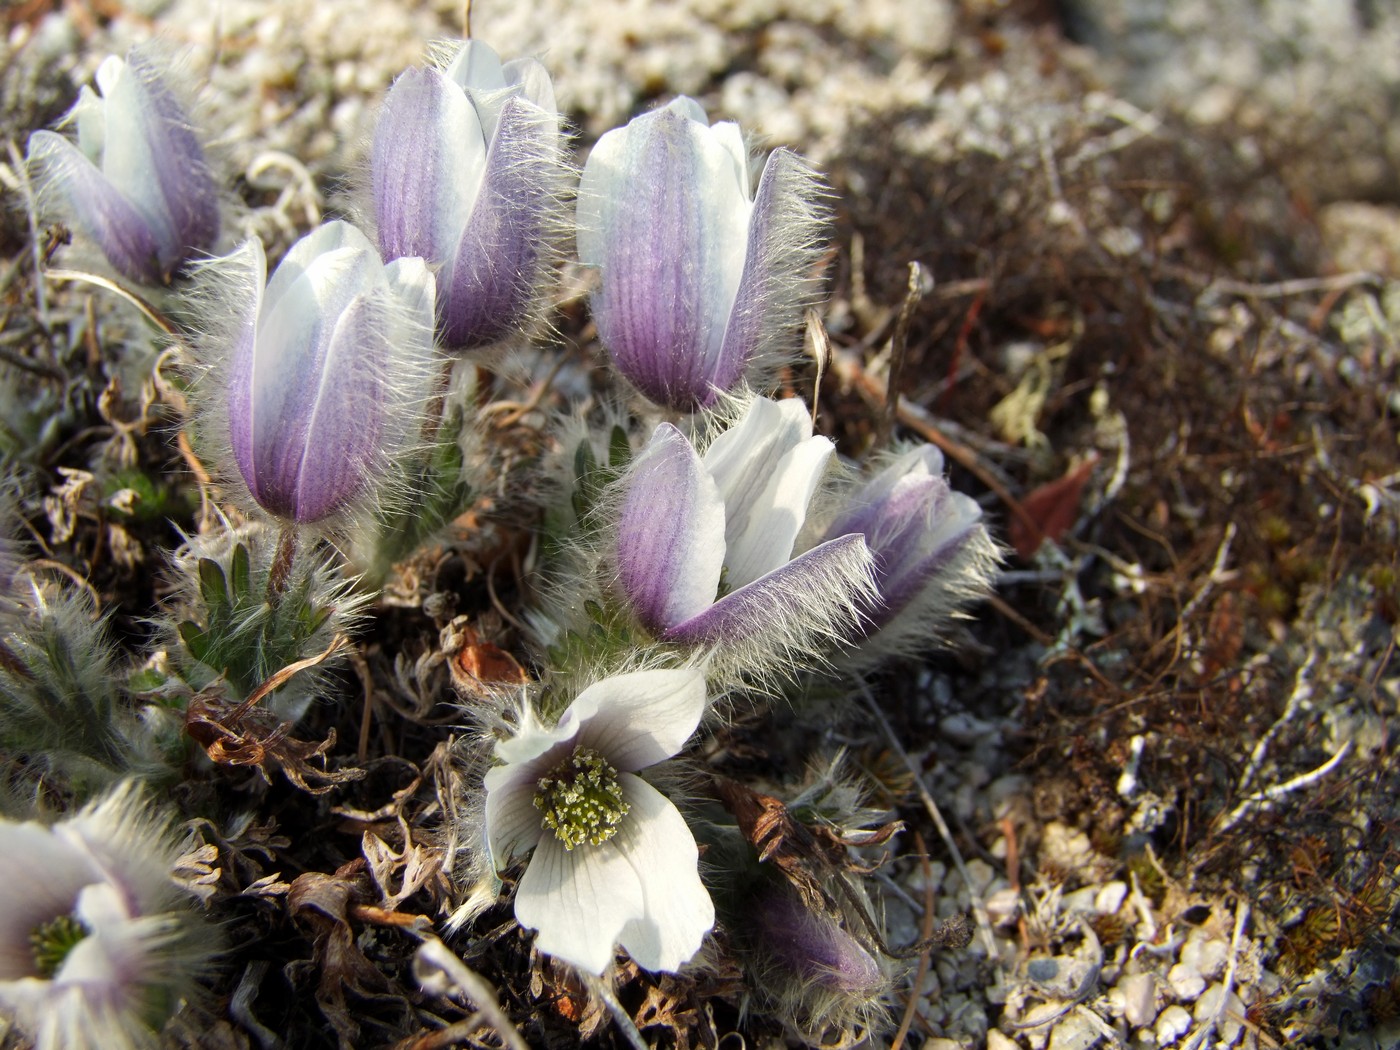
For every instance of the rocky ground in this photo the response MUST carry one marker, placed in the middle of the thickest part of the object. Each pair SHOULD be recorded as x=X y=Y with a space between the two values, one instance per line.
x=1154 y=326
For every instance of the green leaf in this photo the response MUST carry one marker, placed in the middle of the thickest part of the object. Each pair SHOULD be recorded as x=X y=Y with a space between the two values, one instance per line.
x=213 y=586
x=240 y=573
x=196 y=641
x=619 y=450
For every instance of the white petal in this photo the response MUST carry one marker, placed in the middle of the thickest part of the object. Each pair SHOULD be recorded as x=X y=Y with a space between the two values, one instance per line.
x=513 y=825
x=533 y=81
x=636 y=720
x=90 y=116
x=678 y=911
x=767 y=468
x=476 y=67
x=579 y=900
x=327 y=238
x=762 y=539
x=40 y=878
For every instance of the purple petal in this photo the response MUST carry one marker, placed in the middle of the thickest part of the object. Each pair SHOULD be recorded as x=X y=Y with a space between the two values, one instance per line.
x=297 y=325
x=249 y=267
x=671 y=534
x=187 y=186
x=829 y=576
x=951 y=523
x=426 y=164
x=98 y=208
x=342 y=434
x=784 y=244
x=488 y=286
x=663 y=213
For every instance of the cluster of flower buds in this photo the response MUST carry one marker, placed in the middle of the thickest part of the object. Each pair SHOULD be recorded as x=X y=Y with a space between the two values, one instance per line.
x=720 y=547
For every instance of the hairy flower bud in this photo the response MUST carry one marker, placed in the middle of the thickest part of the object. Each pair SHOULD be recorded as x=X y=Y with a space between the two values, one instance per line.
x=703 y=281
x=329 y=369
x=468 y=172
x=137 y=182
x=931 y=549
x=705 y=544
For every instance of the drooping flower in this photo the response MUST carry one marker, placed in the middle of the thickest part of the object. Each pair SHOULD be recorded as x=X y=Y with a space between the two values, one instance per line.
x=96 y=942
x=329 y=369
x=705 y=544
x=932 y=552
x=703 y=280
x=812 y=972
x=137 y=182
x=468 y=171
x=614 y=861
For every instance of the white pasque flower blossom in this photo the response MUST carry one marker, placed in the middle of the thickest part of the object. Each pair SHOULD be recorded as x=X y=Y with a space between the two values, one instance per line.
x=94 y=945
x=614 y=861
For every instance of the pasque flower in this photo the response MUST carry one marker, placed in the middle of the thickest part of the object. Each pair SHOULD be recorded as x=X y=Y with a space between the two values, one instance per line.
x=702 y=280
x=932 y=551
x=95 y=937
x=613 y=861
x=329 y=367
x=468 y=172
x=137 y=181
x=704 y=543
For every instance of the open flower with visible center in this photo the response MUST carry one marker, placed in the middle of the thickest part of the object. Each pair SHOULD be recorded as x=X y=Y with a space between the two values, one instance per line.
x=703 y=279
x=136 y=182
x=614 y=862
x=95 y=938
x=468 y=172
x=705 y=543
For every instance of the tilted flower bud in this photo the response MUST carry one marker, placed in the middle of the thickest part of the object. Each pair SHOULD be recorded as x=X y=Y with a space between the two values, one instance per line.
x=137 y=182
x=330 y=367
x=468 y=171
x=932 y=552
x=705 y=544
x=703 y=281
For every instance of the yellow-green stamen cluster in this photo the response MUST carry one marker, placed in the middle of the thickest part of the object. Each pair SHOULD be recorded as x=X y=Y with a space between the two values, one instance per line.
x=52 y=941
x=581 y=799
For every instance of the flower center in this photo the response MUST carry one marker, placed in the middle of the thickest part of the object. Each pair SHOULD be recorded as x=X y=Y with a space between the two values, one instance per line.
x=581 y=799
x=52 y=941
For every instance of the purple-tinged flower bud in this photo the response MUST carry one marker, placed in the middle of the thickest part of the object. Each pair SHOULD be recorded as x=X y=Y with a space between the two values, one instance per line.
x=932 y=552
x=813 y=947
x=705 y=544
x=329 y=370
x=468 y=173
x=703 y=281
x=137 y=182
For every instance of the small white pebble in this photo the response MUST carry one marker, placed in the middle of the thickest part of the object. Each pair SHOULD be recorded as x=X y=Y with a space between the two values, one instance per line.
x=1204 y=954
x=1111 y=897
x=1139 y=991
x=997 y=1041
x=1003 y=906
x=1172 y=1025
x=1185 y=981
x=1229 y=1027
x=1075 y=1032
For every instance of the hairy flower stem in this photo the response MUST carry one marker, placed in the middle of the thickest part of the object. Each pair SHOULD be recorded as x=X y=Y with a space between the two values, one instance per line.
x=282 y=560
x=10 y=662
